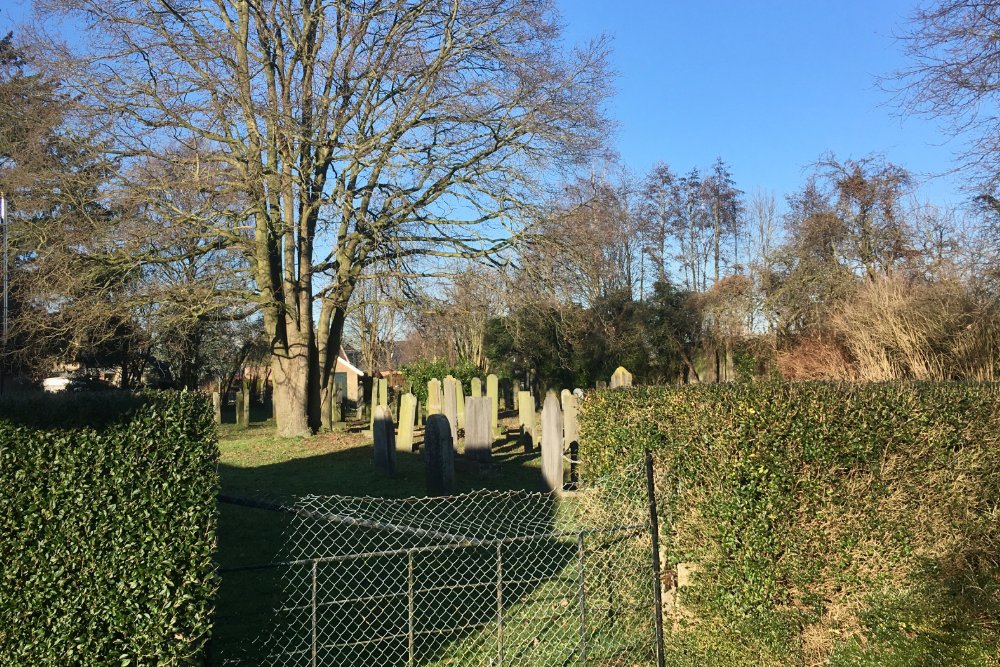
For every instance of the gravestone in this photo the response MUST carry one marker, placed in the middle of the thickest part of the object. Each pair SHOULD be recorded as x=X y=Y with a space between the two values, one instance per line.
x=517 y=391
x=562 y=398
x=552 y=442
x=477 y=388
x=460 y=404
x=506 y=395
x=407 y=410
x=433 y=397
x=360 y=405
x=526 y=419
x=439 y=456
x=621 y=378
x=246 y=405
x=449 y=406
x=380 y=397
x=217 y=406
x=384 y=435
x=239 y=409
x=571 y=423
x=337 y=404
x=493 y=392
x=478 y=433
x=601 y=384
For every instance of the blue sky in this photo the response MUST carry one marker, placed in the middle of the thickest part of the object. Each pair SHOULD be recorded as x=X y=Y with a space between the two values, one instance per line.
x=768 y=85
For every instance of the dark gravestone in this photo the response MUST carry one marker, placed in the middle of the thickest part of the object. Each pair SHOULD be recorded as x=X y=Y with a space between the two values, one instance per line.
x=478 y=433
x=384 y=434
x=439 y=456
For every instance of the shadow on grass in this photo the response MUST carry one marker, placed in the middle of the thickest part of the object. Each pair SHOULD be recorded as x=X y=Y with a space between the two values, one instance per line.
x=386 y=595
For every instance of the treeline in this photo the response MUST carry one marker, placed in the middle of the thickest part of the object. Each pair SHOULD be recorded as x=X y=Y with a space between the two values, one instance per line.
x=687 y=278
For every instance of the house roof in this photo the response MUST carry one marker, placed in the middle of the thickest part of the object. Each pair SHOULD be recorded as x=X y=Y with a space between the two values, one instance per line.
x=344 y=360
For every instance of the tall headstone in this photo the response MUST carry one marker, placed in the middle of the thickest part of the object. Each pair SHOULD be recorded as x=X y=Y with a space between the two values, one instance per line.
x=246 y=405
x=384 y=435
x=460 y=403
x=478 y=430
x=517 y=391
x=526 y=418
x=407 y=410
x=476 y=388
x=239 y=408
x=449 y=405
x=337 y=404
x=552 y=442
x=217 y=406
x=506 y=394
x=571 y=422
x=439 y=456
x=433 y=397
x=562 y=398
x=493 y=393
x=621 y=378
x=380 y=396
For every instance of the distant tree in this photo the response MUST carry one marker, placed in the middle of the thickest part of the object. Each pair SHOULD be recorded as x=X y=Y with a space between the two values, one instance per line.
x=954 y=76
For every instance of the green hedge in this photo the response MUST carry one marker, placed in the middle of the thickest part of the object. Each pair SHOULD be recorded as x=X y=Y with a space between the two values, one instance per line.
x=107 y=532
x=832 y=524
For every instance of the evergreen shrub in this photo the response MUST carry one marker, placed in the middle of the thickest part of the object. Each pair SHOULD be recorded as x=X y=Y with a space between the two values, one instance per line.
x=830 y=523
x=107 y=528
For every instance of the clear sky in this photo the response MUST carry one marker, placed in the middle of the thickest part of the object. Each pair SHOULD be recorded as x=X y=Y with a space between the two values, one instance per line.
x=768 y=85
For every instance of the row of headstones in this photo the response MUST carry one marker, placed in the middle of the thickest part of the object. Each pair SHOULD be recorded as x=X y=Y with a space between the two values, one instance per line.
x=448 y=412
x=242 y=407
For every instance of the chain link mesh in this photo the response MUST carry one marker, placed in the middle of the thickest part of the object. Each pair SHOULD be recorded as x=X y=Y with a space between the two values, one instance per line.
x=485 y=578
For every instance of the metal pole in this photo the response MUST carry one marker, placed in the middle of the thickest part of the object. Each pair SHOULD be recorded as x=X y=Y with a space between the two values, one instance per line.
x=582 y=600
x=3 y=223
x=500 y=656
x=410 y=605
x=314 y=587
x=654 y=531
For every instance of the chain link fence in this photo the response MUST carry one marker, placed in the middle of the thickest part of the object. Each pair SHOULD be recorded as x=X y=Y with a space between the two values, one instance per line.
x=485 y=578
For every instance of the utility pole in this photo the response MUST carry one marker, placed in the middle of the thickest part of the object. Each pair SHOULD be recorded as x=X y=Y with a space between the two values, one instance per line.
x=3 y=333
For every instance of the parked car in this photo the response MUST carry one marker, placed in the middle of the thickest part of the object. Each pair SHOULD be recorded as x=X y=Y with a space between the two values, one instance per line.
x=56 y=384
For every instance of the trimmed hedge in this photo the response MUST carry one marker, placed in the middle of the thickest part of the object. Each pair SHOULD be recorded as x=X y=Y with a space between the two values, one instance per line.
x=832 y=524
x=107 y=532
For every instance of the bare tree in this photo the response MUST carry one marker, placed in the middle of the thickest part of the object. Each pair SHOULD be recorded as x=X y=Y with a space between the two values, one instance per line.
x=355 y=133
x=955 y=77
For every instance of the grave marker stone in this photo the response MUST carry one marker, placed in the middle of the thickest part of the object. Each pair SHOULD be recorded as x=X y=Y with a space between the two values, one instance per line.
x=439 y=456
x=217 y=406
x=384 y=435
x=571 y=422
x=460 y=404
x=449 y=406
x=407 y=410
x=552 y=442
x=621 y=378
x=493 y=392
x=433 y=397
x=478 y=431
x=526 y=419
x=477 y=388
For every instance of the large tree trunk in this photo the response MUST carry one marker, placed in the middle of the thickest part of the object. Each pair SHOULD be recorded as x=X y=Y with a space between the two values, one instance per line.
x=290 y=370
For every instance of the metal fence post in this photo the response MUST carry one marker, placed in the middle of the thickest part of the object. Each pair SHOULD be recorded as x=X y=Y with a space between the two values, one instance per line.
x=314 y=587
x=583 y=599
x=654 y=531
x=410 y=604
x=500 y=656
